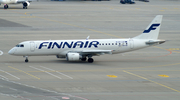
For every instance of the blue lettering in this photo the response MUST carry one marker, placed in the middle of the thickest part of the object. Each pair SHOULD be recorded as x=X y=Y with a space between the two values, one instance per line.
x=95 y=43
x=49 y=45
x=86 y=44
x=78 y=43
x=67 y=44
x=57 y=45
x=122 y=43
x=43 y=45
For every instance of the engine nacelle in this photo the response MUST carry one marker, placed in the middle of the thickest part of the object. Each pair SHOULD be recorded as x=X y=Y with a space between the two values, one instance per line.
x=73 y=56
x=26 y=4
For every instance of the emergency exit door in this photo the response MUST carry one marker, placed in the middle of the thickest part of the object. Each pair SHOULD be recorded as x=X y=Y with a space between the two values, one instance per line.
x=32 y=46
x=131 y=42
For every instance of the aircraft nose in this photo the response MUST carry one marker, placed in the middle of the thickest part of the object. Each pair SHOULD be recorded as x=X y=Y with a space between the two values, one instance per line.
x=12 y=51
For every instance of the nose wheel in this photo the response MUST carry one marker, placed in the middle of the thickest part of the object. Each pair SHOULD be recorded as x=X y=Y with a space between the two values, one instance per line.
x=26 y=60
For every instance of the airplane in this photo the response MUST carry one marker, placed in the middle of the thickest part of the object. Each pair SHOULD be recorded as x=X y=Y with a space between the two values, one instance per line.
x=25 y=3
x=85 y=49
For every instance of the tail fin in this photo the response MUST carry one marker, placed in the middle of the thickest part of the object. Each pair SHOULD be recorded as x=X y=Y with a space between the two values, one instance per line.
x=152 y=31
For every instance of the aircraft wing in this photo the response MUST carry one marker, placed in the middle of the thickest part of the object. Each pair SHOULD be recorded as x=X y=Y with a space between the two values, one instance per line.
x=94 y=52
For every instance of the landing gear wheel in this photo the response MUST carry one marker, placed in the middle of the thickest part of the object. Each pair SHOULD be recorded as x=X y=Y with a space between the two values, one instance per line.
x=83 y=59
x=5 y=6
x=25 y=7
x=90 y=60
x=26 y=60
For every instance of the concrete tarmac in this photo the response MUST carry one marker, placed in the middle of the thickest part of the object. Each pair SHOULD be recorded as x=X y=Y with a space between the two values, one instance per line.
x=147 y=74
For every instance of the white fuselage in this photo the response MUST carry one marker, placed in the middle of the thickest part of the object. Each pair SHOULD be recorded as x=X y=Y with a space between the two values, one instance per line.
x=62 y=47
x=8 y=1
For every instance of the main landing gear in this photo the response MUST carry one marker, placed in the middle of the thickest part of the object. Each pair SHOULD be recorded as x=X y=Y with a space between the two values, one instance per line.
x=24 y=7
x=90 y=60
x=6 y=6
x=83 y=59
x=26 y=59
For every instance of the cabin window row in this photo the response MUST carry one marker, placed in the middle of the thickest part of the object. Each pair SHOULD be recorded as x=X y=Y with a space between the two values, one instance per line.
x=109 y=43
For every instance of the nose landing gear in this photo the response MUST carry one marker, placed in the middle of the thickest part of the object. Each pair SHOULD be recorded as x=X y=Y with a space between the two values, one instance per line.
x=26 y=59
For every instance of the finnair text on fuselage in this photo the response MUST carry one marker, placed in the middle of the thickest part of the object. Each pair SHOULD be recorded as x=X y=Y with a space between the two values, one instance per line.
x=51 y=45
x=73 y=44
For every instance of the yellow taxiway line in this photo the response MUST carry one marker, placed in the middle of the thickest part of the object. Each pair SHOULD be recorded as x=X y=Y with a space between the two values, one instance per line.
x=24 y=72
x=151 y=81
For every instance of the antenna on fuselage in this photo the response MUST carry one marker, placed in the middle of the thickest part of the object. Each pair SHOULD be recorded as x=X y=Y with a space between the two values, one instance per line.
x=87 y=38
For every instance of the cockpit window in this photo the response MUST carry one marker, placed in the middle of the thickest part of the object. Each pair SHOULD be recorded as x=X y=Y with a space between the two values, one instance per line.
x=17 y=45
x=20 y=45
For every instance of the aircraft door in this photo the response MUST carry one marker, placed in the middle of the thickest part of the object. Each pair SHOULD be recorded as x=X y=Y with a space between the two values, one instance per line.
x=131 y=42
x=32 y=46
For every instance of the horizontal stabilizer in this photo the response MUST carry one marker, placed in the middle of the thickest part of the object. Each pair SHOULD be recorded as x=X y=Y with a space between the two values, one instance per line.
x=151 y=42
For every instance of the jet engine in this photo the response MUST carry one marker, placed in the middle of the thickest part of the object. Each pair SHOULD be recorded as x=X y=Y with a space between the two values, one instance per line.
x=73 y=56
x=26 y=4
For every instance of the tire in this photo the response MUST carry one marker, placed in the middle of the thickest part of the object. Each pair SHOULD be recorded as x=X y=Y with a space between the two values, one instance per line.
x=24 y=7
x=26 y=60
x=5 y=7
x=90 y=60
x=83 y=59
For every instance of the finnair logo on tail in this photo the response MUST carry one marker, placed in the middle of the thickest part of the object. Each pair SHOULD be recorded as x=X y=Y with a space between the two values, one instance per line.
x=153 y=27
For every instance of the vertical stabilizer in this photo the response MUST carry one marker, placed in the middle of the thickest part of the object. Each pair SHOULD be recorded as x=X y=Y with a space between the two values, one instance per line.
x=152 y=31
